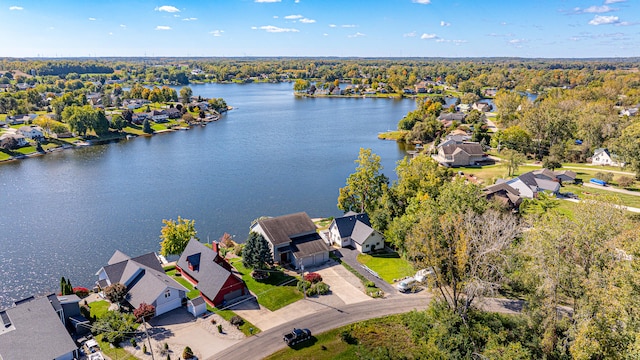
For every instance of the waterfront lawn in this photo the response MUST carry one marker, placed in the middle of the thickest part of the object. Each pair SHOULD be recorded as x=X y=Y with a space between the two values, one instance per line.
x=4 y=155
x=275 y=292
x=396 y=135
x=114 y=352
x=390 y=266
x=192 y=293
x=491 y=172
x=99 y=308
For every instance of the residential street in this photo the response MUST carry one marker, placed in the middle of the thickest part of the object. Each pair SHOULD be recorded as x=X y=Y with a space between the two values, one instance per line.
x=270 y=341
x=612 y=189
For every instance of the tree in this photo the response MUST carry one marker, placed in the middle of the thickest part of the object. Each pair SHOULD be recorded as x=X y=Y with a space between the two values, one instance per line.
x=65 y=287
x=175 y=235
x=144 y=312
x=628 y=147
x=467 y=251
x=118 y=122
x=116 y=293
x=185 y=94
x=256 y=253
x=514 y=138
x=365 y=186
x=146 y=127
x=512 y=160
x=301 y=85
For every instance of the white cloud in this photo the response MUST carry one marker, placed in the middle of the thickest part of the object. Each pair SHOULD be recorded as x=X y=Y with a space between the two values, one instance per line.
x=267 y=1
x=163 y=27
x=358 y=34
x=12 y=8
x=504 y=23
x=515 y=41
x=595 y=9
x=254 y=28
x=411 y=34
x=333 y=25
x=325 y=34
x=190 y=19
x=604 y=20
x=275 y=29
x=444 y=23
x=275 y=16
x=216 y=33
x=110 y=33
x=167 y=8
x=424 y=2
x=307 y=21
x=297 y=1
x=92 y=19
x=293 y=17
x=348 y=26
x=613 y=1
x=428 y=36
x=123 y=26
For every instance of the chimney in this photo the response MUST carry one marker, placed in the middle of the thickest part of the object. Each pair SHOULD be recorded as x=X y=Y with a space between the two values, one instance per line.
x=214 y=246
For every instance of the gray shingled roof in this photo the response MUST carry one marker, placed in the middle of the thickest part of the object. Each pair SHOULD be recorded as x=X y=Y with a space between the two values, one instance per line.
x=469 y=148
x=361 y=232
x=118 y=256
x=279 y=230
x=346 y=223
x=308 y=245
x=210 y=275
x=36 y=332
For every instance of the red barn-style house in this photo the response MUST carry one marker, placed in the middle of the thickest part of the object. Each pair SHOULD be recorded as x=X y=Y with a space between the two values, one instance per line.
x=210 y=274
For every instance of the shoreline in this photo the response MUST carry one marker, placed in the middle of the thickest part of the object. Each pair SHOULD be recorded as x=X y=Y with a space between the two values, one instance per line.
x=116 y=138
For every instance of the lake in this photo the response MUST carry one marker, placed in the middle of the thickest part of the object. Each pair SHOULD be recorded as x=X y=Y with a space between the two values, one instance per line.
x=64 y=214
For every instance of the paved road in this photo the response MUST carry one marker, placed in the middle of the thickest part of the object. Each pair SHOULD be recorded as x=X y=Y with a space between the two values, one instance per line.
x=612 y=189
x=601 y=170
x=349 y=256
x=270 y=341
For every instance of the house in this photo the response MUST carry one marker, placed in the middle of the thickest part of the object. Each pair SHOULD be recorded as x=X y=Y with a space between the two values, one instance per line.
x=33 y=329
x=529 y=184
x=145 y=280
x=11 y=136
x=466 y=154
x=491 y=92
x=355 y=230
x=463 y=107
x=159 y=116
x=457 y=116
x=210 y=274
x=71 y=310
x=293 y=240
x=504 y=194
x=565 y=176
x=173 y=113
x=602 y=156
x=32 y=132
x=481 y=106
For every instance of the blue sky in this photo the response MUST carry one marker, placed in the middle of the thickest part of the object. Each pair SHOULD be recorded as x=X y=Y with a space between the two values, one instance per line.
x=390 y=28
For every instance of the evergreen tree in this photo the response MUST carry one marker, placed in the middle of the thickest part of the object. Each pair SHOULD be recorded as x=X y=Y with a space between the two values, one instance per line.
x=256 y=253
x=146 y=127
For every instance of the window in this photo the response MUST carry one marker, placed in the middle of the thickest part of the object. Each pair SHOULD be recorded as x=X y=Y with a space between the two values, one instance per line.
x=167 y=293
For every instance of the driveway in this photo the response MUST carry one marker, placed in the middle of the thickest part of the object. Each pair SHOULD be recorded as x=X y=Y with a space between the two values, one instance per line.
x=345 y=289
x=178 y=328
x=349 y=256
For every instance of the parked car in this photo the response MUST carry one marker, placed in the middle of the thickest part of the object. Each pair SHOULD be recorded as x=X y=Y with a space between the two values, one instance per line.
x=408 y=284
x=296 y=336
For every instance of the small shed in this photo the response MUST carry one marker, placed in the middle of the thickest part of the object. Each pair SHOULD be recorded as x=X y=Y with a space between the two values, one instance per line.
x=197 y=306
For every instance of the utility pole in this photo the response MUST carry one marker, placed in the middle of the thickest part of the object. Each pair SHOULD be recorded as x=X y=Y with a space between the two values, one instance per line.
x=304 y=285
x=144 y=321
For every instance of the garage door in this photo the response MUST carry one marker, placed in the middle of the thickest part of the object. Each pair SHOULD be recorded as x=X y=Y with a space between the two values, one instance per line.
x=168 y=306
x=232 y=295
x=319 y=258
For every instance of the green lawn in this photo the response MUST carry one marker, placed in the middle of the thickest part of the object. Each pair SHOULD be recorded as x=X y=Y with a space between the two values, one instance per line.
x=115 y=352
x=99 y=308
x=389 y=266
x=583 y=192
x=4 y=155
x=488 y=174
x=275 y=292
x=192 y=293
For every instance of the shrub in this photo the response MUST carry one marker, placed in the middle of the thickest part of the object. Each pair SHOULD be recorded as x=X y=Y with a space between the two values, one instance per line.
x=81 y=292
x=321 y=288
x=348 y=338
x=187 y=353
x=238 y=249
x=236 y=320
x=220 y=328
x=311 y=291
x=133 y=342
x=313 y=277
x=625 y=181
x=144 y=348
x=85 y=311
x=303 y=285
x=166 y=346
x=370 y=284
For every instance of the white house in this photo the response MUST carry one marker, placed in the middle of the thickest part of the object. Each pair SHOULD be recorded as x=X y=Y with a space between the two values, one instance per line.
x=32 y=132
x=602 y=156
x=355 y=230
x=19 y=138
x=145 y=280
